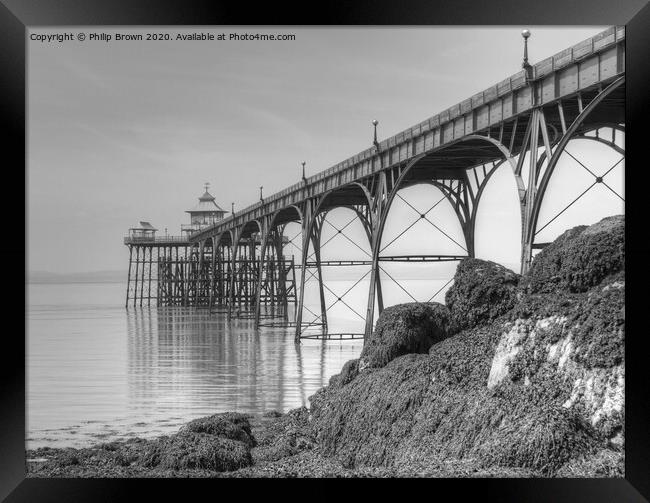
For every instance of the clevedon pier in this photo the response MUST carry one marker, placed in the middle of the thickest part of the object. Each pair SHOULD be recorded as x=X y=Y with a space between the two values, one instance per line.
x=238 y=262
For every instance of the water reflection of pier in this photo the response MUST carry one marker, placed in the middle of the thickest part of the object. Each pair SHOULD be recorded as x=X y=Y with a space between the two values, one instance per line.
x=188 y=363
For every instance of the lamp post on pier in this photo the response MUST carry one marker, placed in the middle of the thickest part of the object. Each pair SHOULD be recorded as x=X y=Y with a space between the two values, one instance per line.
x=525 y=65
x=375 y=142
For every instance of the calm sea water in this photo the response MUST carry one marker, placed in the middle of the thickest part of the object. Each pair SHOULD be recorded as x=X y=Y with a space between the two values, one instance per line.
x=98 y=372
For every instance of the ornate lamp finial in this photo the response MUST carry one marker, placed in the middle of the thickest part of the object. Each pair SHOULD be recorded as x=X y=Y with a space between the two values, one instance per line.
x=525 y=34
x=303 y=171
x=261 y=197
x=375 y=142
x=232 y=209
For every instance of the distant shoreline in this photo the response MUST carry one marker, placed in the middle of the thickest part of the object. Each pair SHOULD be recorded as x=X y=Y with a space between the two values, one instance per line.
x=72 y=282
x=123 y=281
x=120 y=276
x=47 y=277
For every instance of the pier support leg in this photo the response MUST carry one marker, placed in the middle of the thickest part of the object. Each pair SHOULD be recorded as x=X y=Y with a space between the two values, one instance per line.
x=321 y=291
x=301 y=294
x=144 y=264
x=528 y=231
x=260 y=273
x=213 y=273
x=149 y=284
x=375 y=289
x=282 y=276
x=128 y=280
x=234 y=255
x=312 y=226
x=306 y=225
x=198 y=275
x=137 y=265
x=378 y=212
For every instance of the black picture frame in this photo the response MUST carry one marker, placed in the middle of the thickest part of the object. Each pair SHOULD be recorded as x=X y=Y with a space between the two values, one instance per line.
x=17 y=15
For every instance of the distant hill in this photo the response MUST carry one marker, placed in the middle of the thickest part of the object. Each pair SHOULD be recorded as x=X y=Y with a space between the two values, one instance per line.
x=77 y=277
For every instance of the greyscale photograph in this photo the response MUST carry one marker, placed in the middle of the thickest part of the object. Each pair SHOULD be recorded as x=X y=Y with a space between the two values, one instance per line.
x=325 y=251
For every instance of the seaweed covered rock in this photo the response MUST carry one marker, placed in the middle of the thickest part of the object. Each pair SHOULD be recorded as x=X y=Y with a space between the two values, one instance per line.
x=604 y=463
x=581 y=343
x=579 y=338
x=541 y=437
x=230 y=425
x=285 y=436
x=598 y=325
x=579 y=259
x=363 y=423
x=68 y=457
x=404 y=329
x=420 y=409
x=188 y=450
x=349 y=371
x=221 y=442
x=481 y=292
x=533 y=381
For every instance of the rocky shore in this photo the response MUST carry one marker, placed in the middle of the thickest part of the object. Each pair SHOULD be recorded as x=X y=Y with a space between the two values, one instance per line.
x=515 y=376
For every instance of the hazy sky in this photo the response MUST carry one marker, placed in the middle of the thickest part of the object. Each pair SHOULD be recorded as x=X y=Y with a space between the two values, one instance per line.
x=125 y=131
